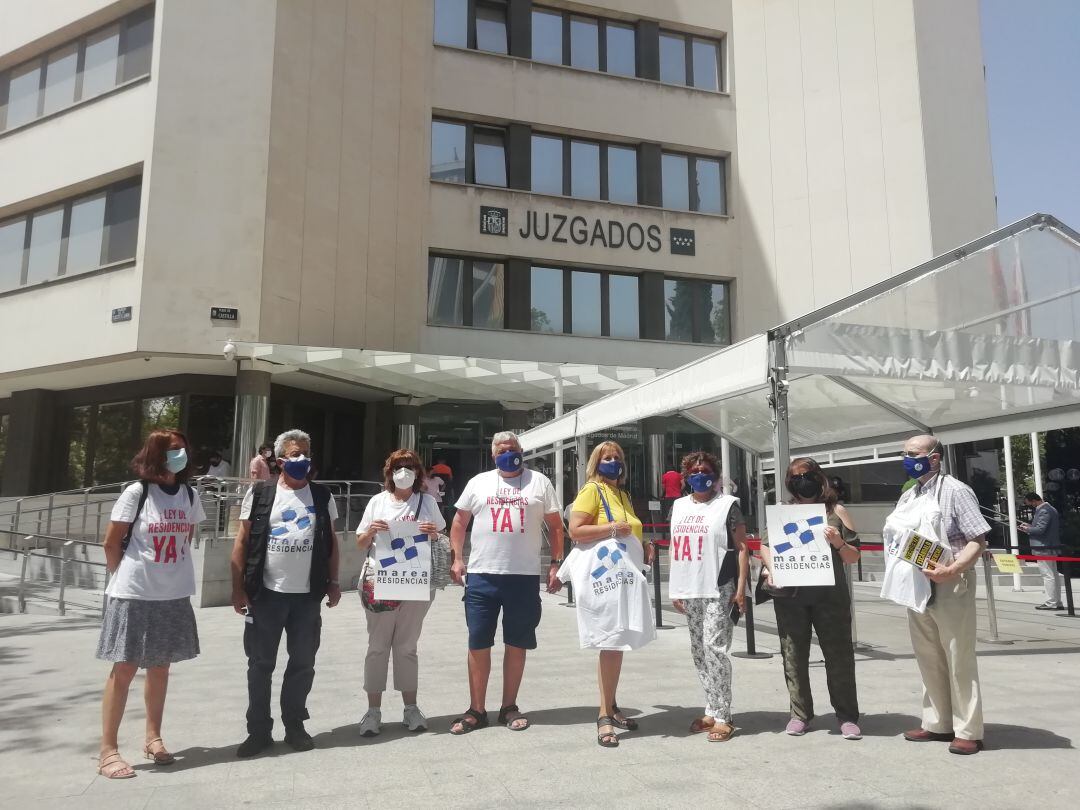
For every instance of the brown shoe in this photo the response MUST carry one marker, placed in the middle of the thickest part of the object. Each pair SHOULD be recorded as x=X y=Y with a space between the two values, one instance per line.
x=922 y=735
x=965 y=747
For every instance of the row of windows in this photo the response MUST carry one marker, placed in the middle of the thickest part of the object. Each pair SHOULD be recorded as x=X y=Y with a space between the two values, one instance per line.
x=75 y=236
x=575 y=167
x=78 y=70
x=581 y=41
x=565 y=300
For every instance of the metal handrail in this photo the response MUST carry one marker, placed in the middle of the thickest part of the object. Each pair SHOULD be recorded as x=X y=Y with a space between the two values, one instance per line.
x=61 y=603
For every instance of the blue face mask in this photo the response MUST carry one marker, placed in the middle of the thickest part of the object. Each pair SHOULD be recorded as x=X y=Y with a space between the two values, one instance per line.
x=917 y=467
x=175 y=460
x=510 y=461
x=701 y=482
x=610 y=469
x=298 y=467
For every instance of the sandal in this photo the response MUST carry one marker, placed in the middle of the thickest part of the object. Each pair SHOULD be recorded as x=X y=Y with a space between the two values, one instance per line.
x=606 y=739
x=721 y=732
x=112 y=766
x=699 y=726
x=627 y=723
x=505 y=720
x=466 y=727
x=160 y=757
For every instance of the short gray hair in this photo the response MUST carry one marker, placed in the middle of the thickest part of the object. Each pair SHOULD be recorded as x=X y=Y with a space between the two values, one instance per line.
x=294 y=435
x=504 y=436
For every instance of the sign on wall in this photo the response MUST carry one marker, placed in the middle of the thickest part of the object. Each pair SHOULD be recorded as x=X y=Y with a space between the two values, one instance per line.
x=224 y=314
x=545 y=226
x=121 y=314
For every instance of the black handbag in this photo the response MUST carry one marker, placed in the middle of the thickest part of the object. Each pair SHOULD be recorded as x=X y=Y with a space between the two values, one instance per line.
x=763 y=593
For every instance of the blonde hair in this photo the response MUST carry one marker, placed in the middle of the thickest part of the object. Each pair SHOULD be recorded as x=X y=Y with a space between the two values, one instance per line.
x=598 y=452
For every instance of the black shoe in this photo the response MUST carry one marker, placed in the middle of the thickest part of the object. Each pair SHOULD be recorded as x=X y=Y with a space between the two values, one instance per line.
x=254 y=744
x=1048 y=606
x=298 y=739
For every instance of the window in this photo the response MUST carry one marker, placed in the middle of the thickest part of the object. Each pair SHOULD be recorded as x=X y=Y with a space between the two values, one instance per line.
x=697 y=311
x=448 y=152
x=547 y=299
x=485 y=30
x=453 y=161
x=452 y=22
x=586 y=312
x=466 y=292
x=693 y=183
x=621 y=51
x=489 y=157
x=690 y=60
x=597 y=303
x=547 y=164
x=78 y=70
x=597 y=171
x=584 y=43
x=491 y=26
x=624 y=318
x=585 y=170
x=80 y=234
x=547 y=44
x=622 y=174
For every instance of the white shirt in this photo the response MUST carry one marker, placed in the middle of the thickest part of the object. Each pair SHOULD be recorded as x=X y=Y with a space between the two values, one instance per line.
x=384 y=506
x=220 y=470
x=291 y=537
x=157 y=564
x=508 y=515
x=699 y=541
x=434 y=486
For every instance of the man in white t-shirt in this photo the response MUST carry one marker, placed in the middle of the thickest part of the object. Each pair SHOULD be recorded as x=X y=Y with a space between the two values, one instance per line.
x=284 y=561
x=508 y=507
x=218 y=467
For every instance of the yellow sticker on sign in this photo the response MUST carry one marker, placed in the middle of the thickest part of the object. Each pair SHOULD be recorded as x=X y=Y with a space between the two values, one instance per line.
x=1007 y=564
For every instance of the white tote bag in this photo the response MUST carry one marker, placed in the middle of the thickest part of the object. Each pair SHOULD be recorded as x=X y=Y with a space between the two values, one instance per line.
x=905 y=584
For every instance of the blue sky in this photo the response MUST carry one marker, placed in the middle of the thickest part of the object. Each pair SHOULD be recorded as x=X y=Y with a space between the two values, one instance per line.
x=1032 y=57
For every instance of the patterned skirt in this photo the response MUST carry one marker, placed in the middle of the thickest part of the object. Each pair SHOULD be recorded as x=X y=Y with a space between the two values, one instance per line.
x=148 y=633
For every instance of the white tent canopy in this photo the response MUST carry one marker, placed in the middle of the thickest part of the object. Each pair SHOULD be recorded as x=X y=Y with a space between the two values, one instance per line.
x=977 y=343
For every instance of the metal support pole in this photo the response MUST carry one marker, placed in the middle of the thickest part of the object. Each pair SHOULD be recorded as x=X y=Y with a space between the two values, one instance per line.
x=48 y=515
x=1069 y=605
x=851 y=596
x=778 y=405
x=1010 y=506
x=558 y=460
x=1036 y=464
x=22 y=582
x=725 y=465
x=991 y=605
x=655 y=573
x=63 y=583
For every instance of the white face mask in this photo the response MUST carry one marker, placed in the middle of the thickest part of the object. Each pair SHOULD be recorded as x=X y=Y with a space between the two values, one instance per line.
x=404 y=478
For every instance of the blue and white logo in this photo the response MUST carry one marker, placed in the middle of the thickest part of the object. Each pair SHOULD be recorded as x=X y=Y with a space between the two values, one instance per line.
x=293 y=522
x=403 y=550
x=799 y=533
x=609 y=558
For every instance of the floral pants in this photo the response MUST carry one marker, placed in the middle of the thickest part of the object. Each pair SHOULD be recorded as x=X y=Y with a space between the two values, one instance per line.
x=711 y=629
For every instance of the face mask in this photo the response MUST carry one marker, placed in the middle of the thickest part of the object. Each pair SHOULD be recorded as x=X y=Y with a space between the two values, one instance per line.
x=805 y=486
x=917 y=467
x=510 y=461
x=610 y=469
x=297 y=467
x=404 y=478
x=701 y=482
x=175 y=460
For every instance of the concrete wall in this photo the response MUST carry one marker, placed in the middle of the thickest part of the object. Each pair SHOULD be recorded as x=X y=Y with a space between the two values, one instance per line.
x=846 y=153
x=206 y=175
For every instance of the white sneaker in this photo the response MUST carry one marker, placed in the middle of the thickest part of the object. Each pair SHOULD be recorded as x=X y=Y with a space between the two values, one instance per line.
x=414 y=719
x=371 y=723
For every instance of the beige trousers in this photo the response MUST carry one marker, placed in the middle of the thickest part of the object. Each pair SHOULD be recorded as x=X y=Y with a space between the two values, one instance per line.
x=943 y=639
x=395 y=631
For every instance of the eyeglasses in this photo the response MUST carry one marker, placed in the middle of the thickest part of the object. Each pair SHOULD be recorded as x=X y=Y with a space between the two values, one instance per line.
x=917 y=453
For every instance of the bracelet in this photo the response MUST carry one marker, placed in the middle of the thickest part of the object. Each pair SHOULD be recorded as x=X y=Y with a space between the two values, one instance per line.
x=556 y=562
x=613 y=532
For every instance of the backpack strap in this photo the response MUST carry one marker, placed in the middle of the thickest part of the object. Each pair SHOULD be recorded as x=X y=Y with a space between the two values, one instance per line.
x=603 y=500
x=138 y=511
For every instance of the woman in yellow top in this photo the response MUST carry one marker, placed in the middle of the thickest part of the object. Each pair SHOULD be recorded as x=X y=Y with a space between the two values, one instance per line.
x=603 y=509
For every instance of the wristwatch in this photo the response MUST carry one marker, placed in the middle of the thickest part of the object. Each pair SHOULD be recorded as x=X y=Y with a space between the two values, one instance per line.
x=333 y=582
x=556 y=562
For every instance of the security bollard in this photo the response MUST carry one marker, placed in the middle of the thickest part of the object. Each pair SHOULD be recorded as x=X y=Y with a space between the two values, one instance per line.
x=1067 y=576
x=655 y=573
x=991 y=603
x=751 y=643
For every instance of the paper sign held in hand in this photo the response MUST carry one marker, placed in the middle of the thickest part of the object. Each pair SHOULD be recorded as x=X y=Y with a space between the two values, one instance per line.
x=801 y=556
x=923 y=552
x=403 y=563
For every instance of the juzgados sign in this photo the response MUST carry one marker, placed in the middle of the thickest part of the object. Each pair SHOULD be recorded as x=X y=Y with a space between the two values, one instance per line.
x=579 y=230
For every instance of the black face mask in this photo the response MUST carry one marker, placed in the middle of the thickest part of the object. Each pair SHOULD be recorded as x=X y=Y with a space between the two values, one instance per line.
x=805 y=486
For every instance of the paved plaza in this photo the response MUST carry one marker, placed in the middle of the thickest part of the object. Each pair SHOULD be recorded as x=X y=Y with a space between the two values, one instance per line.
x=51 y=685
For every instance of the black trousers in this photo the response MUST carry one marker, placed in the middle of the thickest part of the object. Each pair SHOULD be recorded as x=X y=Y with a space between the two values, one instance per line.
x=298 y=614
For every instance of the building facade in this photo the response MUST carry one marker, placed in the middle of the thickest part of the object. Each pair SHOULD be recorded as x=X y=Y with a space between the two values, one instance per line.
x=338 y=186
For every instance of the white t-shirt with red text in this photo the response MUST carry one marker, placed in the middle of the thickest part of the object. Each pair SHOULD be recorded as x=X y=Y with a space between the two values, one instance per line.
x=157 y=564
x=384 y=506
x=508 y=516
x=699 y=541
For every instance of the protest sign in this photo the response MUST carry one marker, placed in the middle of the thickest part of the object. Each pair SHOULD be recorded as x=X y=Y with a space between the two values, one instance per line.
x=403 y=563
x=801 y=555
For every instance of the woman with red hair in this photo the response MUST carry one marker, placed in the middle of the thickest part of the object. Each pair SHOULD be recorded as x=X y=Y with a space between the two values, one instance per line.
x=148 y=622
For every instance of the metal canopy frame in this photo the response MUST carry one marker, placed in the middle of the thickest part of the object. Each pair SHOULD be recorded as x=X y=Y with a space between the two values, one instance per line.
x=964 y=377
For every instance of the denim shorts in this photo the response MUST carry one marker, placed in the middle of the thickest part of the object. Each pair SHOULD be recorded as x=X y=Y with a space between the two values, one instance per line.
x=517 y=595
